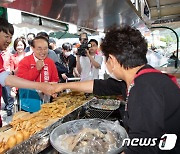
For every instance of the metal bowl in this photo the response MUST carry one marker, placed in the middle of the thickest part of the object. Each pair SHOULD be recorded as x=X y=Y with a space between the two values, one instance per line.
x=105 y=104
x=73 y=127
x=103 y=108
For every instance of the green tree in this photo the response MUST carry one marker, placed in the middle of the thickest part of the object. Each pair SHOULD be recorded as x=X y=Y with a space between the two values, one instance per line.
x=167 y=38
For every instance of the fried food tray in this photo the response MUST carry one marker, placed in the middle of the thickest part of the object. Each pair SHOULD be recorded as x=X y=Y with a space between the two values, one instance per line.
x=40 y=141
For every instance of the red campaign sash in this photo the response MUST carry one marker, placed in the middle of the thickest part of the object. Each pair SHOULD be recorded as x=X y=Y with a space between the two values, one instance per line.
x=151 y=70
x=144 y=71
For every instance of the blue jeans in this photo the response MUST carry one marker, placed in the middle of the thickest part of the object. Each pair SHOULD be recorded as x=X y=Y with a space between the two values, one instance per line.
x=8 y=99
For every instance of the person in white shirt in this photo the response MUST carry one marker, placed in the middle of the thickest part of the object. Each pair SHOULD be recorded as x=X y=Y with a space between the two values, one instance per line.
x=88 y=65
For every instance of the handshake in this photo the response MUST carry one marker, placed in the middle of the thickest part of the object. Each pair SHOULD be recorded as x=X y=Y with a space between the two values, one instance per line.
x=49 y=88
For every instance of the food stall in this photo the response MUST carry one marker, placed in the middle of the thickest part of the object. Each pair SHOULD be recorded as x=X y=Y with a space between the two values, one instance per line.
x=30 y=133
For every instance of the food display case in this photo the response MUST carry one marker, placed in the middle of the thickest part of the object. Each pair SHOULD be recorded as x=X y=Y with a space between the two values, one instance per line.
x=39 y=141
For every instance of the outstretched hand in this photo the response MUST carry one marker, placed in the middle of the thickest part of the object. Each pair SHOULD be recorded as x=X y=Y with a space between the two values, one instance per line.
x=47 y=88
x=57 y=87
x=51 y=88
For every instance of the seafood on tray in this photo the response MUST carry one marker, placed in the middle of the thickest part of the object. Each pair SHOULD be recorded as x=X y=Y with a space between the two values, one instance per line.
x=88 y=140
x=88 y=136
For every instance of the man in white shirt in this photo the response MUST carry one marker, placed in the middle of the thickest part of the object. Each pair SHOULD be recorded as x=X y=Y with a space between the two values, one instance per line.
x=88 y=65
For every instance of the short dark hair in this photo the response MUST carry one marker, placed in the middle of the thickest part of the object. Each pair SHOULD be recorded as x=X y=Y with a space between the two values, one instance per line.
x=39 y=38
x=16 y=42
x=93 y=40
x=67 y=46
x=80 y=36
x=22 y=37
x=126 y=44
x=44 y=34
x=6 y=27
x=51 y=40
x=31 y=34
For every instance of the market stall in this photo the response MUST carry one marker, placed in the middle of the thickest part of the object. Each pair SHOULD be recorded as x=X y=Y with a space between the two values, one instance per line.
x=29 y=133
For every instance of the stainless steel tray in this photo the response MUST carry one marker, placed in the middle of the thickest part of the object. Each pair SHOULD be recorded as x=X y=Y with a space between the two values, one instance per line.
x=75 y=126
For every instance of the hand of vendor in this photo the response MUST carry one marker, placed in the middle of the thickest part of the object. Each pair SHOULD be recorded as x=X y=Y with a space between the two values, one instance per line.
x=57 y=87
x=84 y=86
x=46 y=88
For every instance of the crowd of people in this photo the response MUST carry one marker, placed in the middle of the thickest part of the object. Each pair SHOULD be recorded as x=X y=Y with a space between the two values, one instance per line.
x=37 y=58
x=152 y=99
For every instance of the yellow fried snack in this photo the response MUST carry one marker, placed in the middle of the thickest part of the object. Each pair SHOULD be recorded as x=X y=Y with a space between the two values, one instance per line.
x=63 y=105
x=27 y=124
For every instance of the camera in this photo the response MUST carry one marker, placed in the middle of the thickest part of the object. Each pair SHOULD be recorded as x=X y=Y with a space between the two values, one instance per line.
x=82 y=49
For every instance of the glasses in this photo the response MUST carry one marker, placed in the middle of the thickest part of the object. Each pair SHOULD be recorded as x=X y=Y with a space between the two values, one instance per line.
x=42 y=49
